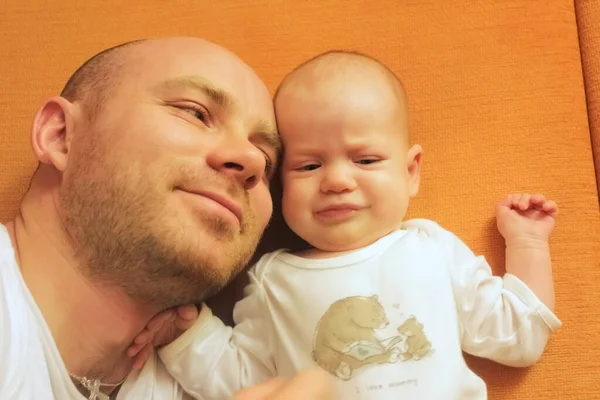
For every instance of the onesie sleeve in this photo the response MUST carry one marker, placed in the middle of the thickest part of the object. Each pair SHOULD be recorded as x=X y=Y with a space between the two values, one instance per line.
x=500 y=317
x=214 y=361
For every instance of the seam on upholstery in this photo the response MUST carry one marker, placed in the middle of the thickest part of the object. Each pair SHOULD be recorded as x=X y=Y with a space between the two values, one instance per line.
x=591 y=125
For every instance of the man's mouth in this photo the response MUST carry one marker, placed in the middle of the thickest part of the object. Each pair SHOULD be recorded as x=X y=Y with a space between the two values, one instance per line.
x=221 y=201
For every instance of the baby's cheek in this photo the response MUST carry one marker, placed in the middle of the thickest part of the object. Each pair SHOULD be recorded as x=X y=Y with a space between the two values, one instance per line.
x=294 y=192
x=292 y=207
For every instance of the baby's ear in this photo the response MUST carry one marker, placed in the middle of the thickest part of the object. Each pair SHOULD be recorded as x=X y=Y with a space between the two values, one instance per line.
x=413 y=159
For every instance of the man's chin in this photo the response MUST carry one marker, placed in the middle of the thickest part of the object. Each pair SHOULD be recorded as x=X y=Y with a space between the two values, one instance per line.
x=218 y=257
x=217 y=252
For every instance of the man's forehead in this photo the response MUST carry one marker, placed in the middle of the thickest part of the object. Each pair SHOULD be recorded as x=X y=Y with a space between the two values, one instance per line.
x=158 y=61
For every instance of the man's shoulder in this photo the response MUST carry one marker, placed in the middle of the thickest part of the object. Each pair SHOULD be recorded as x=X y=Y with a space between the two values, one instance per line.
x=10 y=276
x=17 y=335
x=6 y=247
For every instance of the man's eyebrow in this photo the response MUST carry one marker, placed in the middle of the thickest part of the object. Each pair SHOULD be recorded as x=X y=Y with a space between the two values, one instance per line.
x=268 y=134
x=265 y=132
x=196 y=83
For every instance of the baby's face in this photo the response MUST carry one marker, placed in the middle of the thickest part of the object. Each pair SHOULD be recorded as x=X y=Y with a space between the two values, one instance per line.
x=347 y=172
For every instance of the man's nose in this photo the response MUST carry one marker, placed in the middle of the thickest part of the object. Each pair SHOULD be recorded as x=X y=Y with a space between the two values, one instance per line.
x=239 y=159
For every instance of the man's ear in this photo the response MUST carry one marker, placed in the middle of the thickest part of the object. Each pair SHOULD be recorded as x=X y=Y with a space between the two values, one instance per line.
x=52 y=132
x=414 y=169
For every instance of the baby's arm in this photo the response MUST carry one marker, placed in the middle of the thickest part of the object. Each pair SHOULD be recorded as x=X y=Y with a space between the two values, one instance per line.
x=526 y=222
x=503 y=318
x=214 y=361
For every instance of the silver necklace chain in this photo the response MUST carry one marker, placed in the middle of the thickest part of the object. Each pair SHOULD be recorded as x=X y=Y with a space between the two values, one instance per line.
x=93 y=386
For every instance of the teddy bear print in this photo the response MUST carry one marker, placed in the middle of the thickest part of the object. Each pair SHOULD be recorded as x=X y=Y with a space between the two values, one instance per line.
x=345 y=337
x=416 y=344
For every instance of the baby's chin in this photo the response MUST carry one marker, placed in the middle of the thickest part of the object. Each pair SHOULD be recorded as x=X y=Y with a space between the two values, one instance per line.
x=329 y=247
x=341 y=241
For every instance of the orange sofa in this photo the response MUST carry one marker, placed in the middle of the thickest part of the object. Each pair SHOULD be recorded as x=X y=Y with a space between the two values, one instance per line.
x=504 y=97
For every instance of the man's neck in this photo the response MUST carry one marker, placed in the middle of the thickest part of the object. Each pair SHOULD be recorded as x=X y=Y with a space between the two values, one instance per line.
x=92 y=324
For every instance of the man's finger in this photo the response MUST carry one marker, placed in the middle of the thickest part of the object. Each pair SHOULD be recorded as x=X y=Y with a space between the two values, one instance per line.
x=260 y=392
x=314 y=384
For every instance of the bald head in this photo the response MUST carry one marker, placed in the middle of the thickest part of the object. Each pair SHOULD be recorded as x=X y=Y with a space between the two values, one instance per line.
x=92 y=82
x=97 y=79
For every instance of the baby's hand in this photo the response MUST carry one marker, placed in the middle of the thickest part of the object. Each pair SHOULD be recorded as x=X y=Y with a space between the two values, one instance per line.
x=525 y=216
x=162 y=329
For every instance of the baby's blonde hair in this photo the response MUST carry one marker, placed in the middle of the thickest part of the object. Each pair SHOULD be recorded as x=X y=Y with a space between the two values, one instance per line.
x=336 y=64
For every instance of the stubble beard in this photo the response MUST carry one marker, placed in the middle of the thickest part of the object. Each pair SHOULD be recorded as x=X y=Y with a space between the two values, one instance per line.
x=121 y=238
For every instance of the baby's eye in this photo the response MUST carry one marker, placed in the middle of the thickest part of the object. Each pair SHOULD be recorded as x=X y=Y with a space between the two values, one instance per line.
x=367 y=161
x=309 y=167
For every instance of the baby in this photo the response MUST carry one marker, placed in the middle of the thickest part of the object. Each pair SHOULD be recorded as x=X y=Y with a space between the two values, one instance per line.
x=386 y=306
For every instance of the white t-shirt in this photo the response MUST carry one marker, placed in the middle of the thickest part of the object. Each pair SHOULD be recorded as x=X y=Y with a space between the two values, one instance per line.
x=30 y=365
x=389 y=321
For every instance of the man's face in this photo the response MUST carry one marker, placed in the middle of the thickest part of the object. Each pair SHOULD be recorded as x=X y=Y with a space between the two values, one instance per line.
x=168 y=186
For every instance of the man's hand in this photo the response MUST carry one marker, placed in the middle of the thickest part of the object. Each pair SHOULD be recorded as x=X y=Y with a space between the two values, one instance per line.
x=162 y=329
x=525 y=216
x=313 y=384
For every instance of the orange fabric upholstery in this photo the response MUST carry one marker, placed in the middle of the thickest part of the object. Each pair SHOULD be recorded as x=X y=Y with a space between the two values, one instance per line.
x=497 y=101
x=588 y=23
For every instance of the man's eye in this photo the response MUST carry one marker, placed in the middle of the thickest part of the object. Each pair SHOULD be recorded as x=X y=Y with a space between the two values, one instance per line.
x=268 y=166
x=197 y=113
